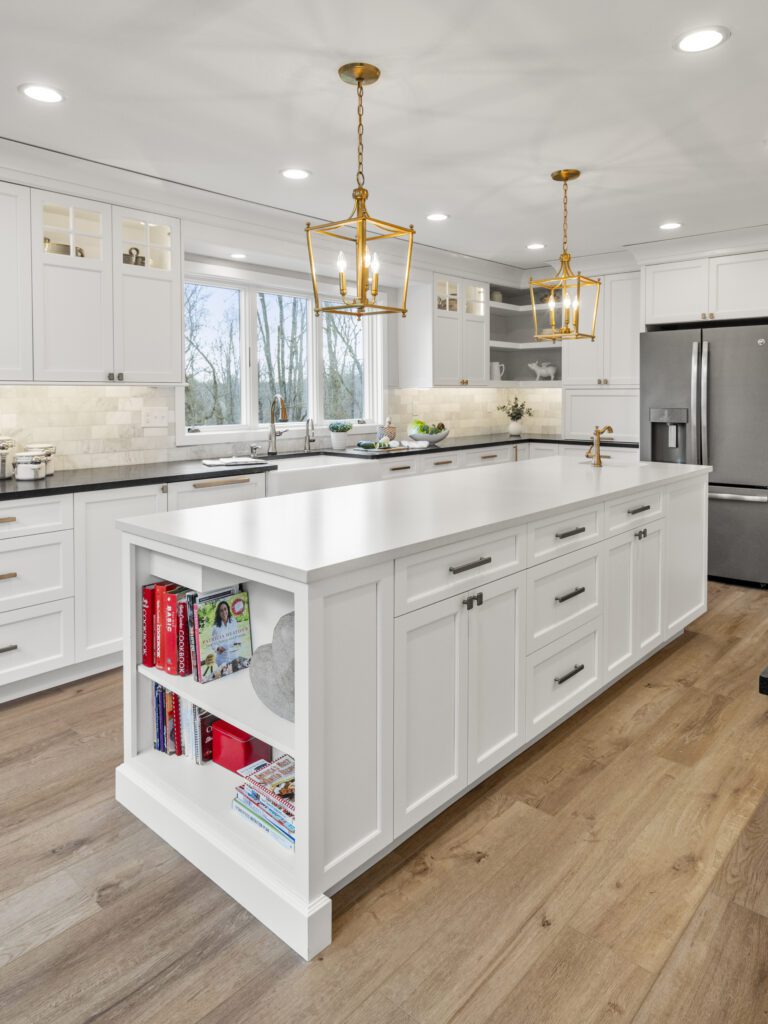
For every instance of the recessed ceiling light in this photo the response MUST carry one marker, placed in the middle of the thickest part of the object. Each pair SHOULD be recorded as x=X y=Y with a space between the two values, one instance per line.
x=295 y=173
x=41 y=93
x=536 y=245
x=669 y=225
x=437 y=216
x=703 y=39
x=238 y=256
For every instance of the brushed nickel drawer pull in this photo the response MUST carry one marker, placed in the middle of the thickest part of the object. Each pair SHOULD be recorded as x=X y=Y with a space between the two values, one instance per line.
x=443 y=462
x=640 y=508
x=571 y=533
x=8 y=648
x=456 y=569
x=222 y=483
x=398 y=469
x=562 y=598
x=569 y=675
x=489 y=456
x=8 y=519
x=8 y=575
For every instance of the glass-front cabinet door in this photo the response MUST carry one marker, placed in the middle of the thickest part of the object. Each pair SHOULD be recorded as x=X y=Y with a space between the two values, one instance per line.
x=148 y=321
x=72 y=288
x=475 y=300
x=447 y=296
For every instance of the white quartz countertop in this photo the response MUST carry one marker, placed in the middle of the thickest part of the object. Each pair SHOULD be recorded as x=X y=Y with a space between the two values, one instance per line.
x=313 y=534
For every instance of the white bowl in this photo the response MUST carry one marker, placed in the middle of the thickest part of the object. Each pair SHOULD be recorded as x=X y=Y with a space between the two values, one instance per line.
x=415 y=435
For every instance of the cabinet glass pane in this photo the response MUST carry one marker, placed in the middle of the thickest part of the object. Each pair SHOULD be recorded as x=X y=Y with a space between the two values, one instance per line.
x=447 y=295
x=474 y=300
x=134 y=255
x=134 y=232
x=160 y=234
x=159 y=259
x=88 y=247
x=55 y=216
x=56 y=242
x=87 y=221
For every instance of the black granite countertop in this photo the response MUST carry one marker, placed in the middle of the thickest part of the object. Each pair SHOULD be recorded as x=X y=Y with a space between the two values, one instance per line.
x=477 y=441
x=69 y=481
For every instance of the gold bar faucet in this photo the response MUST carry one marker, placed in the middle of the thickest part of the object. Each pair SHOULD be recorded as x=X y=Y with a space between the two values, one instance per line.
x=594 y=448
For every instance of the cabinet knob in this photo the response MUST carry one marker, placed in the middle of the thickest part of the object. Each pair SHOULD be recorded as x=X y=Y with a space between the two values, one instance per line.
x=711 y=316
x=703 y=316
x=120 y=376
x=110 y=376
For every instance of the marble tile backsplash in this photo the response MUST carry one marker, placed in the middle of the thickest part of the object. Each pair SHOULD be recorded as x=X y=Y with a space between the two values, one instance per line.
x=469 y=411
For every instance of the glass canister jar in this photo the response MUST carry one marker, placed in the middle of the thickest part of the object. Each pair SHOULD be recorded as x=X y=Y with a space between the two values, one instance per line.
x=30 y=466
x=49 y=450
x=7 y=451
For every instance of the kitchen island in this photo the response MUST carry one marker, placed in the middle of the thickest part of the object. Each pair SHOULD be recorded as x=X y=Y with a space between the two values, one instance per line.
x=442 y=624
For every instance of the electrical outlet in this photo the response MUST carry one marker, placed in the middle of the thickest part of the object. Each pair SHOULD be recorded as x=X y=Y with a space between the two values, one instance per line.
x=154 y=416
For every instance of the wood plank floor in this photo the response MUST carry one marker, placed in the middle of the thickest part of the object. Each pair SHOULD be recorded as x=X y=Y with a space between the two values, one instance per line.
x=617 y=871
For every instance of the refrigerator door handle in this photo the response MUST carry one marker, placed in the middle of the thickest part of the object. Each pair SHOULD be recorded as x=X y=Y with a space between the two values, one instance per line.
x=705 y=403
x=694 y=456
x=719 y=496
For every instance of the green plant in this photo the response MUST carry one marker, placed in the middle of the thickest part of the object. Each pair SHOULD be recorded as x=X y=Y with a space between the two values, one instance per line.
x=340 y=426
x=515 y=409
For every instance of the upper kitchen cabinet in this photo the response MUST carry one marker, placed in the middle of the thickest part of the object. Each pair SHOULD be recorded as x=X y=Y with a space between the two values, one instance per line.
x=147 y=298
x=444 y=338
x=718 y=288
x=612 y=359
x=15 y=284
x=71 y=288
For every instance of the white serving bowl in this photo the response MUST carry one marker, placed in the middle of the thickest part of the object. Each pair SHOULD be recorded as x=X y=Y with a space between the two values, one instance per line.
x=432 y=438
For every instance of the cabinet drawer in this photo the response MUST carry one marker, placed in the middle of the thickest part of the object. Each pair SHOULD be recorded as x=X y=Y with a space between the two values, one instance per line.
x=430 y=576
x=485 y=456
x=215 y=491
x=562 y=595
x=538 y=450
x=397 y=468
x=26 y=516
x=32 y=644
x=558 y=535
x=628 y=512
x=438 y=463
x=34 y=570
x=562 y=676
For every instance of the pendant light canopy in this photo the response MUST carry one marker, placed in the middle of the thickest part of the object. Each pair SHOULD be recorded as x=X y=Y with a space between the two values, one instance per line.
x=361 y=235
x=570 y=300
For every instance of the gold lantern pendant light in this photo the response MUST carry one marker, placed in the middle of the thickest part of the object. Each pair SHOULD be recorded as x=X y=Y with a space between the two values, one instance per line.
x=571 y=303
x=360 y=231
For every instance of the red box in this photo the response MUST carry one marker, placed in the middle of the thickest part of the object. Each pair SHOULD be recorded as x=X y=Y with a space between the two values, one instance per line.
x=233 y=748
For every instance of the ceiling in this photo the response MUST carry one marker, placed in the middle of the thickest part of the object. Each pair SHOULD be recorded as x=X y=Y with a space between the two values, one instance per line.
x=476 y=105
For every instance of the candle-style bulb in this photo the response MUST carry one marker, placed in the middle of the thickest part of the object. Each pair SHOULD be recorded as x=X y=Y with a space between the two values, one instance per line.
x=367 y=258
x=375 y=263
x=341 y=263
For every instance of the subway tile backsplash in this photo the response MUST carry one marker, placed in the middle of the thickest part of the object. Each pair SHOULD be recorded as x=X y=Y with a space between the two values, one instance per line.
x=99 y=426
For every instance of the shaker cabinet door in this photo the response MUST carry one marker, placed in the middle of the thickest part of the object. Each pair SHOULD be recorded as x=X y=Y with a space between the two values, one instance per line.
x=15 y=284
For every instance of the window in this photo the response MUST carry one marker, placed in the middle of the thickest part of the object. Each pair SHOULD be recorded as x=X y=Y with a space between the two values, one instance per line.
x=245 y=344
x=213 y=354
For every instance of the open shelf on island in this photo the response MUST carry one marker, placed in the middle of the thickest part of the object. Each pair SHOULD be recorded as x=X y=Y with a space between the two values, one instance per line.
x=232 y=698
x=202 y=796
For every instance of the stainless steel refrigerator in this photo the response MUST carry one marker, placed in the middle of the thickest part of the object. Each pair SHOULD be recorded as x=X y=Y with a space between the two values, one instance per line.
x=704 y=399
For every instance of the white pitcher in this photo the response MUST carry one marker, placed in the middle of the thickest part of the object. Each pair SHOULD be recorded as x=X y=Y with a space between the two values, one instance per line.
x=497 y=371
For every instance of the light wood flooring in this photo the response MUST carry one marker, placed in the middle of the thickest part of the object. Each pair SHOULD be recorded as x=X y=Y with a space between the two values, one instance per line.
x=618 y=871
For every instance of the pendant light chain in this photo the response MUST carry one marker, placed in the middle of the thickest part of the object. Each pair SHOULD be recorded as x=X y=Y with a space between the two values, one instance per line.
x=565 y=216
x=360 y=174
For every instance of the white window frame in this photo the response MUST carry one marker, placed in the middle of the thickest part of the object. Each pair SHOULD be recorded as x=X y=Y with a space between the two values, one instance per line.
x=251 y=283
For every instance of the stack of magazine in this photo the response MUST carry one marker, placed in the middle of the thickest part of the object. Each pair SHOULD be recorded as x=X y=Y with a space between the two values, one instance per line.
x=266 y=798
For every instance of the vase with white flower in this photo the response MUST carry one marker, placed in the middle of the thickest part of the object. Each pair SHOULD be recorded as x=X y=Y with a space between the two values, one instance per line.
x=515 y=411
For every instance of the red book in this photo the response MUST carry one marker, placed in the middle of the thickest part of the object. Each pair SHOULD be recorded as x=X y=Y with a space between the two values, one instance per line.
x=184 y=652
x=177 y=724
x=170 y=630
x=160 y=589
x=148 y=624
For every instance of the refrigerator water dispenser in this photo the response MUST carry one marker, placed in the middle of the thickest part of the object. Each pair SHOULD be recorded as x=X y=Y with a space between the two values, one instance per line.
x=668 y=434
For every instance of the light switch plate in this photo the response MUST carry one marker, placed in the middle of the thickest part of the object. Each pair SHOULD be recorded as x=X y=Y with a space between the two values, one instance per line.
x=154 y=416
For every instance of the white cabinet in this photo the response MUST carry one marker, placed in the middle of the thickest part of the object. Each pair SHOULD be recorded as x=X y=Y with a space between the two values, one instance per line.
x=495 y=675
x=215 y=491
x=444 y=338
x=718 y=288
x=586 y=408
x=542 y=449
x=15 y=284
x=634 y=588
x=98 y=598
x=687 y=509
x=613 y=358
x=430 y=722
x=71 y=288
x=147 y=297
x=561 y=676
x=676 y=291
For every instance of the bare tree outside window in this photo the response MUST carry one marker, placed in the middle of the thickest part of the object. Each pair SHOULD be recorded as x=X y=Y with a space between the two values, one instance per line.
x=281 y=324
x=213 y=355
x=343 y=396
